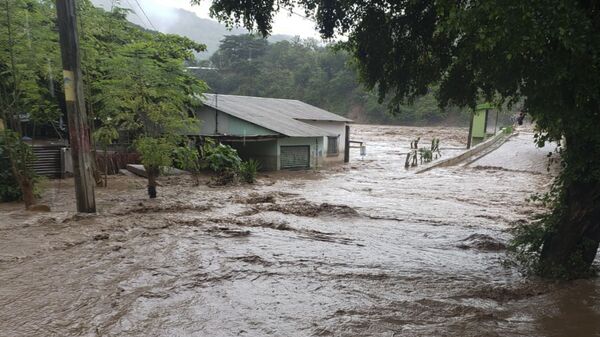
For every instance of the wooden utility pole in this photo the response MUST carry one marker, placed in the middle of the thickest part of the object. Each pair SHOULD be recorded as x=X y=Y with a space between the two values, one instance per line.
x=79 y=131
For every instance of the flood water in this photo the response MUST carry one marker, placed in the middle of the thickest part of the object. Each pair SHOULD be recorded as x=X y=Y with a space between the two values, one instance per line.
x=363 y=249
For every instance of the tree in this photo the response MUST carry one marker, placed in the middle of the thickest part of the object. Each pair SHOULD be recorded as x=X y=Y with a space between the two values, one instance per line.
x=20 y=156
x=545 y=53
x=136 y=81
x=147 y=93
x=305 y=70
x=28 y=68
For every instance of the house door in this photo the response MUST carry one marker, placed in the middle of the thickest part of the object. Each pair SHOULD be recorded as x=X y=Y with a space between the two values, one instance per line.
x=295 y=157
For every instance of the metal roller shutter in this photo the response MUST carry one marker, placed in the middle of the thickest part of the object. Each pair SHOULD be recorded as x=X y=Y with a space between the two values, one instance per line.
x=295 y=157
x=47 y=161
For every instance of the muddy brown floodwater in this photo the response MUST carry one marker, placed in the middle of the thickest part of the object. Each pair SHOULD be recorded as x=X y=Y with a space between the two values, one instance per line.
x=364 y=249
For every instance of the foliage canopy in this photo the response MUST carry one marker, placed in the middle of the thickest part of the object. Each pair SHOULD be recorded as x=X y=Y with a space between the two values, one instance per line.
x=136 y=83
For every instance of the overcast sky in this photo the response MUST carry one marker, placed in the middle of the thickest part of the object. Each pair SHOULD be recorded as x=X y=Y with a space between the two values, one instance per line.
x=284 y=23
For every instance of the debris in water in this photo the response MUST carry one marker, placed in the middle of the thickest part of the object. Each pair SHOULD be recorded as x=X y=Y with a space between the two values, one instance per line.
x=309 y=209
x=482 y=242
x=253 y=222
x=253 y=259
x=46 y=221
x=99 y=237
x=505 y=293
x=163 y=208
x=255 y=198
x=39 y=208
x=227 y=232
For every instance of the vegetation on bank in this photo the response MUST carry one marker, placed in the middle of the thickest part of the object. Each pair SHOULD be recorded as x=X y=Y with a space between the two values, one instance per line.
x=319 y=75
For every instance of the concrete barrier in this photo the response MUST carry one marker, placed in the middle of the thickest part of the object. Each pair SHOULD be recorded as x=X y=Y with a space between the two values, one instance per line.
x=477 y=151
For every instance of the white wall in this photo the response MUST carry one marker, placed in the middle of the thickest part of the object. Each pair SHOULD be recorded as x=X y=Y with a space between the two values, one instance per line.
x=316 y=148
x=337 y=128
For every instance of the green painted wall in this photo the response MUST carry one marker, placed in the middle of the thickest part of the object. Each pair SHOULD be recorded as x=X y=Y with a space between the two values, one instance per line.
x=479 y=124
x=229 y=125
x=240 y=127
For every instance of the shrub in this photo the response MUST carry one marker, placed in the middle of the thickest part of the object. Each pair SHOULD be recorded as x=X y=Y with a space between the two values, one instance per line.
x=187 y=158
x=20 y=156
x=9 y=188
x=248 y=170
x=426 y=155
x=220 y=158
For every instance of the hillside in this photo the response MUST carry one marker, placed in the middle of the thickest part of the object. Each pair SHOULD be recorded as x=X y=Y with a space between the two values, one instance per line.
x=185 y=23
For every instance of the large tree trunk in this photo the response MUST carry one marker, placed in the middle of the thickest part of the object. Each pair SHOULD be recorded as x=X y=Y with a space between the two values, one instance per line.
x=570 y=249
x=152 y=172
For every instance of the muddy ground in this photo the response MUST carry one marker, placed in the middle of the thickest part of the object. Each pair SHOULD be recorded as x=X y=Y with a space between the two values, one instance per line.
x=363 y=249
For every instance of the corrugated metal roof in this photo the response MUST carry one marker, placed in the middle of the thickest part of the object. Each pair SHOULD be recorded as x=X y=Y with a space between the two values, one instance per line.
x=281 y=115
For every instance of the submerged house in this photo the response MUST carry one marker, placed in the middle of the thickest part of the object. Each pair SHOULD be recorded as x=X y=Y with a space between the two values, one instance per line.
x=279 y=133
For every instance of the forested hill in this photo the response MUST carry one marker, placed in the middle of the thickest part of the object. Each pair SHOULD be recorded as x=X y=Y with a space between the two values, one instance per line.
x=316 y=74
x=282 y=67
x=178 y=21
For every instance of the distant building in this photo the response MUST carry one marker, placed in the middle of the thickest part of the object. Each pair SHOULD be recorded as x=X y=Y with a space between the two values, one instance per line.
x=279 y=133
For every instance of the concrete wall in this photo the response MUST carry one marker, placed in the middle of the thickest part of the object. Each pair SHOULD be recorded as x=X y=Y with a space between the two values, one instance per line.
x=337 y=128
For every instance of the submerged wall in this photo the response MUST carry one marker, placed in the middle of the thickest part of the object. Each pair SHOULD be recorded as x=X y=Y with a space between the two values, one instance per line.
x=315 y=144
x=337 y=128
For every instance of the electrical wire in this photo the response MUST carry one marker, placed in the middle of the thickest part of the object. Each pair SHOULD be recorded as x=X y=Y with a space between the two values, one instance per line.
x=304 y=17
x=143 y=12
x=136 y=14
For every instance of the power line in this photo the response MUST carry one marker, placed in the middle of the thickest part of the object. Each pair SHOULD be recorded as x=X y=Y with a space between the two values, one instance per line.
x=143 y=12
x=303 y=17
x=136 y=14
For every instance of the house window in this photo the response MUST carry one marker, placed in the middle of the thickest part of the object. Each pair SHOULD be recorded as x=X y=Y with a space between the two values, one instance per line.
x=332 y=145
